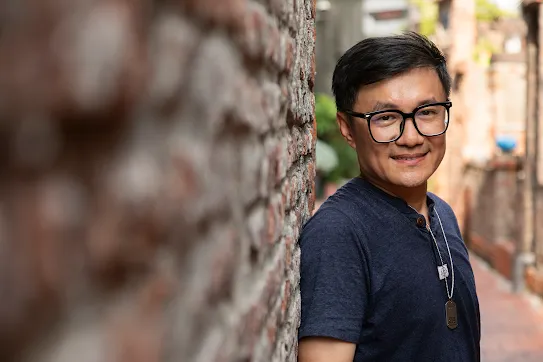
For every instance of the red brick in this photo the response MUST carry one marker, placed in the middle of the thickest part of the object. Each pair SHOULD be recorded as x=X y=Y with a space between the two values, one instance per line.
x=276 y=218
x=253 y=323
x=285 y=193
x=480 y=246
x=271 y=102
x=255 y=319
x=502 y=258
x=278 y=163
x=228 y=13
x=136 y=334
x=159 y=151
x=223 y=267
x=286 y=298
x=274 y=156
x=272 y=43
x=274 y=320
x=277 y=7
x=289 y=58
x=258 y=224
x=252 y=36
x=313 y=124
x=534 y=280
x=289 y=242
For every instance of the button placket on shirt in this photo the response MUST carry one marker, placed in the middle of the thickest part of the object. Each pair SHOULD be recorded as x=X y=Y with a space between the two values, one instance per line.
x=421 y=222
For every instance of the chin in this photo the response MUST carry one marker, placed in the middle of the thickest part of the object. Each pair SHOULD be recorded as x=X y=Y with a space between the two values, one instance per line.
x=410 y=180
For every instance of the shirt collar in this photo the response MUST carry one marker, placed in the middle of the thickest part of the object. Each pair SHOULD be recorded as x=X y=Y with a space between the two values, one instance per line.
x=396 y=202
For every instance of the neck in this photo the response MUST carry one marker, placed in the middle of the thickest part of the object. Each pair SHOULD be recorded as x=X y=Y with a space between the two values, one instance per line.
x=413 y=196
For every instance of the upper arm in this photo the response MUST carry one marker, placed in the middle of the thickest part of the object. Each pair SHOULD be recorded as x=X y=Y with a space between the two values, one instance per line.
x=333 y=279
x=317 y=349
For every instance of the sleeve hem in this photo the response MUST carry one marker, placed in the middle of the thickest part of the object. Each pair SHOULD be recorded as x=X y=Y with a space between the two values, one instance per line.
x=342 y=335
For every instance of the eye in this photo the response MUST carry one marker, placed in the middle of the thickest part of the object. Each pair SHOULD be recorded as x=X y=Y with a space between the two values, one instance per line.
x=430 y=112
x=386 y=117
x=427 y=112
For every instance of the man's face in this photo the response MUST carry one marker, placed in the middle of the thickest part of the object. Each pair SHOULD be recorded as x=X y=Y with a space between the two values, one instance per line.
x=409 y=161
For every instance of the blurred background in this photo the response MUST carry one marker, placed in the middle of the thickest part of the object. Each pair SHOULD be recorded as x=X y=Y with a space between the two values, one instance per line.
x=160 y=157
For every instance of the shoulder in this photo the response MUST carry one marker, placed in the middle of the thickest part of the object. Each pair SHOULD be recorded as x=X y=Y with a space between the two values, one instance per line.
x=441 y=205
x=331 y=231
x=338 y=221
x=348 y=201
x=445 y=212
x=333 y=277
x=329 y=221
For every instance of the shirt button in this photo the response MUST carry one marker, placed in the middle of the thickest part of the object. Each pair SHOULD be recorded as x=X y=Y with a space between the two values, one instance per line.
x=421 y=222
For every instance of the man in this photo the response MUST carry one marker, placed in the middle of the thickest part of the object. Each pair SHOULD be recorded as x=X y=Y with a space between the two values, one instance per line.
x=385 y=274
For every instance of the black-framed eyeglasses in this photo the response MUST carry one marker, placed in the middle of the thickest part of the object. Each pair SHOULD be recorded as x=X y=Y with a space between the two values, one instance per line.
x=388 y=125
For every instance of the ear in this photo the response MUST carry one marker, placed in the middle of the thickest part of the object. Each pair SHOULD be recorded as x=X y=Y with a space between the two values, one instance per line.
x=346 y=129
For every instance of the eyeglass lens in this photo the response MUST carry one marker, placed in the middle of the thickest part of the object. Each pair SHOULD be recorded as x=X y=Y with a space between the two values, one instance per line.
x=430 y=121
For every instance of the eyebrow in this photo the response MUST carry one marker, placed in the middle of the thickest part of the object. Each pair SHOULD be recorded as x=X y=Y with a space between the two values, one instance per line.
x=380 y=106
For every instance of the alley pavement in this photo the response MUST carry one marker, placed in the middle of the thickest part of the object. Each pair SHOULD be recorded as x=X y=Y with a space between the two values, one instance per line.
x=511 y=324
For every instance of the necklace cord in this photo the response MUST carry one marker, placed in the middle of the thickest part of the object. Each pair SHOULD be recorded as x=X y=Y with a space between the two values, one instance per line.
x=451 y=292
x=449 y=251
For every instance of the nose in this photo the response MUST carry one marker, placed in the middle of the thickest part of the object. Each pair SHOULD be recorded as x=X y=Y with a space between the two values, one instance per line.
x=410 y=136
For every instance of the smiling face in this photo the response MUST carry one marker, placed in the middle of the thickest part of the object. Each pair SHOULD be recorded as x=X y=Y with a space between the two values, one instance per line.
x=409 y=161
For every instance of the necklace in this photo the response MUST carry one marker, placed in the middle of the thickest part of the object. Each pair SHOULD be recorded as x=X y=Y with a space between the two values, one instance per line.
x=451 y=314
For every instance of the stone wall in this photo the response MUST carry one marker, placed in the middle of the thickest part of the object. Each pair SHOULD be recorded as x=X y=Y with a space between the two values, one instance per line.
x=158 y=161
x=494 y=211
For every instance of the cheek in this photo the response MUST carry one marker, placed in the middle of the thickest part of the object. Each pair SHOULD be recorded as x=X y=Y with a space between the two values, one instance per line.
x=369 y=151
x=438 y=144
x=438 y=150
x=372 y=152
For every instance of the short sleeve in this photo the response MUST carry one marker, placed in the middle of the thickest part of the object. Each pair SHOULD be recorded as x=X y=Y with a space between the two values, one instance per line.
x=333 y=278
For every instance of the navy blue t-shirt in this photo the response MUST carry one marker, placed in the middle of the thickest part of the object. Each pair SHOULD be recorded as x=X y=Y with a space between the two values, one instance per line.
x=369 y=276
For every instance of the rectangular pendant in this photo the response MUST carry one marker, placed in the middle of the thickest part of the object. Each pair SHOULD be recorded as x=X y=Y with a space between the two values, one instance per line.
x=451 y=314
x=443 y=271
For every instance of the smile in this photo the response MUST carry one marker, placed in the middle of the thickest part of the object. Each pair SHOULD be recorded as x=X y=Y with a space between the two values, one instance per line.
x=410 y=159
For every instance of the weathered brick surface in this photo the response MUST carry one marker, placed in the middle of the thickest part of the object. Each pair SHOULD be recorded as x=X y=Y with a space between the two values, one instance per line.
x=158 y=162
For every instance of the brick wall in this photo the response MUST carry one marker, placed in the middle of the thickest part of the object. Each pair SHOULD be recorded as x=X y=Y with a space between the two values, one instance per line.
x=158 y=161
x=494 y=211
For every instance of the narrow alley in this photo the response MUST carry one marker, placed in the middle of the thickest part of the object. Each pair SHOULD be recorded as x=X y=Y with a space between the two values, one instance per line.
x=512 y=324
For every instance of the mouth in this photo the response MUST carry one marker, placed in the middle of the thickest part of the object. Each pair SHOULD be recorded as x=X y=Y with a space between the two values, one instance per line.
x=410 y=159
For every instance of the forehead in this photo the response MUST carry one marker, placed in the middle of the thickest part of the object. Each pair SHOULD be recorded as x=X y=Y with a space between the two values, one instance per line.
x=406 y=90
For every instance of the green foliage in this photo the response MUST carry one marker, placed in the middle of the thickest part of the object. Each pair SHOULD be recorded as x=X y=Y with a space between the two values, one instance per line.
x=328 y=131
x=325 y=112
x=428 y=11
x=483 y=51
x=487 y=11
x=348 y=161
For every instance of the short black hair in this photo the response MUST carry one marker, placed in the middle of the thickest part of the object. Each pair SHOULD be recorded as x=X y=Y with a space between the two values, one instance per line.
x=375 y=59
